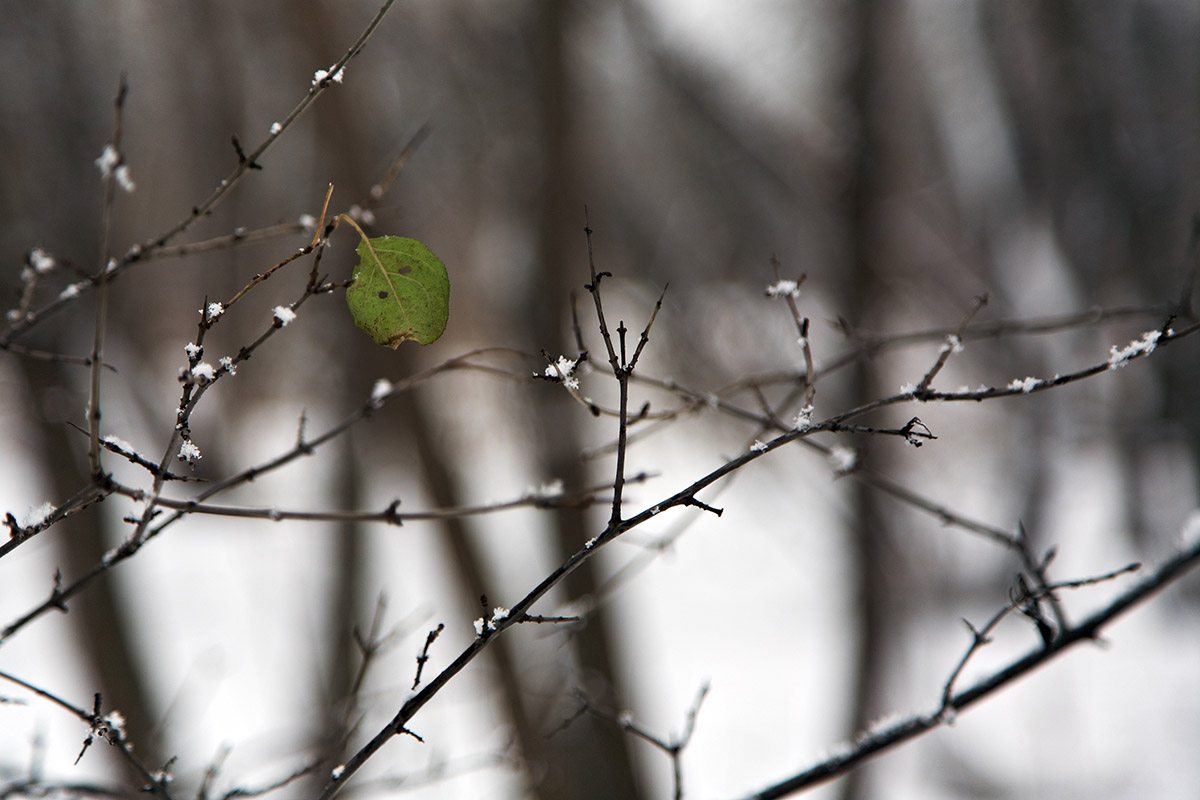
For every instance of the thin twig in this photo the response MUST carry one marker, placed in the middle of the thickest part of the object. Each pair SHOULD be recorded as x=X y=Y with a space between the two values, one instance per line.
x=101 y=281
x=872 y=743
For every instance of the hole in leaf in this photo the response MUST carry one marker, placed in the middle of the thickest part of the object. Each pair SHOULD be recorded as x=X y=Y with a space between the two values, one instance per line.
x=383 y=295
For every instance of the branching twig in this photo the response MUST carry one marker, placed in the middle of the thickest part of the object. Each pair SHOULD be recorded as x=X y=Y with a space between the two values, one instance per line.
x=101 y=281
x=108 y=727
x=148 y=248
x=673 y=748
x=874 y=742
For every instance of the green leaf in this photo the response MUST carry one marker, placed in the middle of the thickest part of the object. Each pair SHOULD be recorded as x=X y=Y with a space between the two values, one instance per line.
x=400 y=292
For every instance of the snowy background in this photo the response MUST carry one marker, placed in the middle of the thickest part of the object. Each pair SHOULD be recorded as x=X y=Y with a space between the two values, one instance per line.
x=906 y=156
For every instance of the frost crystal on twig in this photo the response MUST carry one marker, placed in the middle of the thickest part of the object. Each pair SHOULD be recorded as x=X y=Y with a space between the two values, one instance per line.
x=36 y=516
x=563 y=369
x=1027 y=385
x=41 y=261
x=321 y=75
x=379 y=392
x=118 y=442
x=189 y=452
x=1119 y=357
x=283 y=315
x=783 y=288
x=110 y=166
x=108 y=160
x=204 y=372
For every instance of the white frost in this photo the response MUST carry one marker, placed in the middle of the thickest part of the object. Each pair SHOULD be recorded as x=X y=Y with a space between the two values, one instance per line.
x=563 y=369
x=784 y=288
x=204 y=372
x=36 y=516
x=110 y=166
x=123 y=178
x=758 y=447
x=108 y=160
x=336 y=774
x=41 y=261
x=843 y=459
x=193 y=351
x=227 y=364
x=803 y=419
x=499 y=614
x=118 y=442
x=283 y=315
x=1027 y=385
x=307 y=221
x=189 y=452
x=214 y=310
x=382 y=388
x=275 y=128
x=116 y=721
x=322 y=74
x=72 y=290
x=1139 y=347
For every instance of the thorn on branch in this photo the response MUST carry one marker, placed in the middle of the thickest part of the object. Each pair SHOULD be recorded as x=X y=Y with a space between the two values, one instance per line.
x=692 y=501
x=391 y=515
x=981 y=638
x=241 y=154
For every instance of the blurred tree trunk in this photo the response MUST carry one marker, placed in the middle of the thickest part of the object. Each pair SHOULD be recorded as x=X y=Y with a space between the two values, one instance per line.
x=871 y=25
x=589 y=759
x=1124 y=215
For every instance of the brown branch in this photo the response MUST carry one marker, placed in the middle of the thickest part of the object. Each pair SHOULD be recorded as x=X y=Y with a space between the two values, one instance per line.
x=871 y=743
